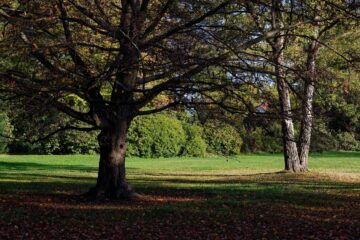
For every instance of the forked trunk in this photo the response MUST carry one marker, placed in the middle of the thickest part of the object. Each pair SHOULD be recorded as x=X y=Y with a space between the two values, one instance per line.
x=111 y=182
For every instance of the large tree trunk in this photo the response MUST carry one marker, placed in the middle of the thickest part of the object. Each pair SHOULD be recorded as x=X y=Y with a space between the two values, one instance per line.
x=111 y=182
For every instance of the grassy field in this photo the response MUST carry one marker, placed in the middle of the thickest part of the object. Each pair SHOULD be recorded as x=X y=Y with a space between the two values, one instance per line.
x=242 y=197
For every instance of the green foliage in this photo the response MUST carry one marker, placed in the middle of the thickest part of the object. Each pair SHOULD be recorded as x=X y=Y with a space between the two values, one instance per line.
x=323 y=141
x=222 y=138
x=23 y=145
x=259 y=140
x=179 y=133
x=77 y=142
x=156 y=136
x=347 y=141
x=26 y=134
x=195 y=145
x=5 y=132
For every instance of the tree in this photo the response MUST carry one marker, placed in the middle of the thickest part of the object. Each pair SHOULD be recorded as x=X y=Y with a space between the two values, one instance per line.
x=303 y=27
x=116 y=56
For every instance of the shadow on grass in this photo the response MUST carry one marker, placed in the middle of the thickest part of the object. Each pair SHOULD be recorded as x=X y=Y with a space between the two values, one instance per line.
x=22 y=176
x=294 y=191
x=306 y=180
x=251 y=206
x=246 y=210
x=26 y=166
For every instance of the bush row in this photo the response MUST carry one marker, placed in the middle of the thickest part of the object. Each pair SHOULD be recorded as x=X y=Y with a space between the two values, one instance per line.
x=166 y=136
x=169 y=135
x=159 y=135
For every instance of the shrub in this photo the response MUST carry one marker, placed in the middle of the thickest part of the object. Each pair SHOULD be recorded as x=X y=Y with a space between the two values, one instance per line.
x=347 y=141
x=271 y=144
x=5 y=132
x=68 y=142
x=195 y=145
x=259 y=140
x=77 y=142
x=323 y=140
x=222 y=138
x=156 y=136
x=23 y=145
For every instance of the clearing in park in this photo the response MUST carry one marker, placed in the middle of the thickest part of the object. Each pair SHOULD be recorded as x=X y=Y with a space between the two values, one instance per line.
x=242 y=197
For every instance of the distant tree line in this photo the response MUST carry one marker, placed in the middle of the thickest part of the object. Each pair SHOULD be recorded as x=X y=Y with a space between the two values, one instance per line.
x=181 y=133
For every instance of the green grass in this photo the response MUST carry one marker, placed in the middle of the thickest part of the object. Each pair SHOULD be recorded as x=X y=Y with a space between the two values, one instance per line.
x=245 y=196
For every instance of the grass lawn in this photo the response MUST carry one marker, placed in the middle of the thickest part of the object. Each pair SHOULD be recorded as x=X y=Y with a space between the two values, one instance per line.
x=242 y=197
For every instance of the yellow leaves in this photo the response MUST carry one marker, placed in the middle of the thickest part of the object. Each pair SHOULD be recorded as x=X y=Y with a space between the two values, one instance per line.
x=74 y=100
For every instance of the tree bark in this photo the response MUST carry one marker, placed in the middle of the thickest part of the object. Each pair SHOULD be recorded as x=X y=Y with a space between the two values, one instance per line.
x=111 y=182
x=307 y=106
x=278 y=44
x=306 y=126
x=291 y=157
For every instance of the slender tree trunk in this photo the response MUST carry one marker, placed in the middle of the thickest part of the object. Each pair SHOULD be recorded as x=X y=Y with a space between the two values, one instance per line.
x=278 y=44
x=306 y=126
x=291 y=156
x=307 y=107
x=111 y=180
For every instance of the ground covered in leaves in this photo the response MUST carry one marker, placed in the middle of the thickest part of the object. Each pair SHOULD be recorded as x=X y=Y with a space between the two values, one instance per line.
x=243 y=197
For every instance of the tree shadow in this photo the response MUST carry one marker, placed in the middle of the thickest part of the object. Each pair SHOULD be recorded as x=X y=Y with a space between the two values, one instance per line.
x=27 y=166
x=249 y=211
x=249 y=206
